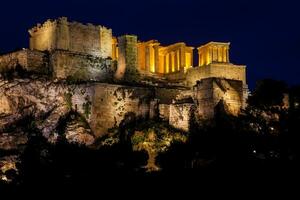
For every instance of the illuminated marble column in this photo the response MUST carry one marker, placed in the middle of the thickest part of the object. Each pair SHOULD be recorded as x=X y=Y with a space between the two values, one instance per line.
x=227 y=54
x=220 y=59
x=152 y=59
x=172 y=63
x=215 y=54
x=224 y=54
x=175 y=61
x=178 y=60
x=156 y=58
x=167 y=61
x=192 y=58
x=199 y=58
x=210 y=55
x=147 y=58
x=182 y=58
x=205 y=56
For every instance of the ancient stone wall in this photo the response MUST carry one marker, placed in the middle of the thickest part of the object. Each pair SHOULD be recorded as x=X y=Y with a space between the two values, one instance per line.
x=168 y=95
x=44 y=37
x=72 y=36
x=217 y=70
x=106 y=42
x=84 y=39
x=80 y=67
x=176 y=76
x=180 y=115
x=210 y=92
x=164 y=112
x=31 y=61
x=111 y=104
x=127 y=59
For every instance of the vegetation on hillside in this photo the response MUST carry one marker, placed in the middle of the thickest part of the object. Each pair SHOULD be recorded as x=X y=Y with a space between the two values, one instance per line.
x=264 y=136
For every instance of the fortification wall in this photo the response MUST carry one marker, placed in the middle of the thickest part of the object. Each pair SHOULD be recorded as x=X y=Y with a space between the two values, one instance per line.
x=113 y=105
x=127 y=59
x=72 y=36
x=44 y=37
x=227 y=71
x=180 y=115
x=164 y=111
x=80 y=67
x=210 y=92
x=168 y=95
x=31 y=61
x=106 y=42
x=176 y=76
x=84 y=39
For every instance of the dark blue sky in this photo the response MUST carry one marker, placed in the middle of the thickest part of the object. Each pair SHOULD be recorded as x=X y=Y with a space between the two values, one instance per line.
x=264 y=34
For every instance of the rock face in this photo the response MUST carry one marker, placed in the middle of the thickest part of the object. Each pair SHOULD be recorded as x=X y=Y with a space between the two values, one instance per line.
x=12 y=141
x=101 y=106
x=46 y=102
x=10 y=148
x=8 y=163
x=77 y=131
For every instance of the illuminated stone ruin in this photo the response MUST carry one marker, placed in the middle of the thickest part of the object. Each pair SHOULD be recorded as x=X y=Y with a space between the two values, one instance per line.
x=213 y=52
x=64 y=50
x=71 y=36
x=158 y=59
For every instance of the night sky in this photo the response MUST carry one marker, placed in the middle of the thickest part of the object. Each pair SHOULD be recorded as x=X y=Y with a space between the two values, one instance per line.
x=264 y=34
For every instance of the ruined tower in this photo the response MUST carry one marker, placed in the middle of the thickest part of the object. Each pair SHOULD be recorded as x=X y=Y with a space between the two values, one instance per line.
x=75 y=37
x=127 y=58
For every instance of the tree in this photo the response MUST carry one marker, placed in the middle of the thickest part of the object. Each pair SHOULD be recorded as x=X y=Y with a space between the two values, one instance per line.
x=268 y=93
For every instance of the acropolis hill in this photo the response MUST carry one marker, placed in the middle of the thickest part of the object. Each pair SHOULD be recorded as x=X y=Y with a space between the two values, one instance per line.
x=106 y=79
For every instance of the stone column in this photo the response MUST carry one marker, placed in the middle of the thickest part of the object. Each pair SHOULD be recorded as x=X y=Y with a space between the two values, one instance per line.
x=172 y=62
x=227 y=54
x=182 y=58
x=176 y=61
x=156 y=58
x=167 y=63
x=215 y=52
x=223 y=54
x=127 y=59
x=199 y=58
x=147 y=58
x=219 y=49
x=192 y=58
x=210 y=51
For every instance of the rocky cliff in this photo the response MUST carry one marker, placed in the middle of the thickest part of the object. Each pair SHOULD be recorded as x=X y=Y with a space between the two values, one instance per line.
x=47 y=103
x=30 y=107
